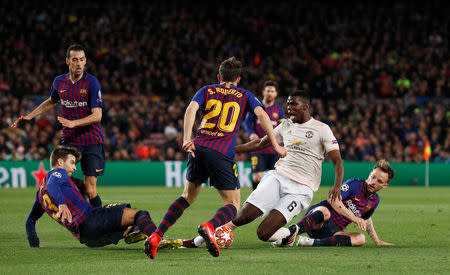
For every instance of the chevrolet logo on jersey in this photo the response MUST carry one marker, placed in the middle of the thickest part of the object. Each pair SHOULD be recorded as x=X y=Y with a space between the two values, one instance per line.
x=296 y=142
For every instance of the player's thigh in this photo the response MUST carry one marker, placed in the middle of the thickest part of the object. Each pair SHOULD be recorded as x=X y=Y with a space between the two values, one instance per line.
x=196 y=171
x=267 y=195
x=93 y=160
x=222 y=172
x=294 y=199
x=102 y=221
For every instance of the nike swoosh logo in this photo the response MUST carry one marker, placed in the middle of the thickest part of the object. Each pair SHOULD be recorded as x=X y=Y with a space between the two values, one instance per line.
x=98 y=170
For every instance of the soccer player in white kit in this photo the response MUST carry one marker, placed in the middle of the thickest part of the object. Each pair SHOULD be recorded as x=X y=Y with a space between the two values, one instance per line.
x=286 y=191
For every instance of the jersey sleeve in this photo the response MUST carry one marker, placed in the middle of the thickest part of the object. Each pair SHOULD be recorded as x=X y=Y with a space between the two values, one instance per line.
x=54 y=91
x=55 y=186
x=30 y=225
x=329 y=142
x=347 y=188
x=200 y=96
x=249 y=123
x=95 y=94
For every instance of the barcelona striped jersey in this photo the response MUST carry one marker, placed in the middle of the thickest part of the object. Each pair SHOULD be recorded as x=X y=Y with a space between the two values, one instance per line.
x=223 y=108
x=77 y=100
x=253 y=125
x=56 y=189
x=355 y=199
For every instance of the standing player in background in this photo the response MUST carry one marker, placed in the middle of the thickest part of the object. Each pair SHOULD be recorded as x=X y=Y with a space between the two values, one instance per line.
x=264 y=159
x=212 y=151
x=81 y=104
x=60 y=196
x=325 y=222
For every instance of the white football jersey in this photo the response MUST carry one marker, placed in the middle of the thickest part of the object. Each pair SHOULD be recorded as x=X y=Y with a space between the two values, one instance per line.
x=306 y=145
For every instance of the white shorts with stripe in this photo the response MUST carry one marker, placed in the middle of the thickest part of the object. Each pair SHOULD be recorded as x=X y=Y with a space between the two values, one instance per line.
x=278 y=192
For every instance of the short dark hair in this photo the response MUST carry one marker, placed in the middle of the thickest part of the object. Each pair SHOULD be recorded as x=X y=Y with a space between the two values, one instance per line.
x=230 y=69
x=76 y=48
x=62 y=152
x=304 y=96
x=270 y=83
x=385 y=167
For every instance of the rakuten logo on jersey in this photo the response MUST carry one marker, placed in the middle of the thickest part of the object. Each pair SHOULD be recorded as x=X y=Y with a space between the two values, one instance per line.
x=353 y=208
x=73 y=104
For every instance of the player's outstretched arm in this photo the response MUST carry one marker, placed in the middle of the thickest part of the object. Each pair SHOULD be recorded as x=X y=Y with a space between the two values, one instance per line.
x=335 y=192
x=253 y=145
x=266 y=124
x=48 y=104
x=373 y=234
x=30 y=225
x=95 y=117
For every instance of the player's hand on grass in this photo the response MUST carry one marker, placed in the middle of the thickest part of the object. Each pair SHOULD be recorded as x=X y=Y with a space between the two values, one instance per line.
x=281 y=151
x=189 y=147
x=19 y=121
x=67 y=123
x=384 y=243
x=361 y=223
x=64 y=213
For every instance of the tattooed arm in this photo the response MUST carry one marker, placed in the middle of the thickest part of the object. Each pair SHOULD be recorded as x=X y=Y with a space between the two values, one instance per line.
x=373 y=234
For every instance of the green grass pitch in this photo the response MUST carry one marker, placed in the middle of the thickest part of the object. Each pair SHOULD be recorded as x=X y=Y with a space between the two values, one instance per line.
x=416 y=220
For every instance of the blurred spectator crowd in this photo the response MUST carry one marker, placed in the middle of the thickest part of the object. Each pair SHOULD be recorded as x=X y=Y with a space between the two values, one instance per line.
x=379 y=76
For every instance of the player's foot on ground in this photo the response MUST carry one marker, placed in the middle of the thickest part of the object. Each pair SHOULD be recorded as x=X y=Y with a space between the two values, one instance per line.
x=206 y=230
x=135 y=237
x=290 y=239
x=151 y=245
x=305 y=241
x=171 y=243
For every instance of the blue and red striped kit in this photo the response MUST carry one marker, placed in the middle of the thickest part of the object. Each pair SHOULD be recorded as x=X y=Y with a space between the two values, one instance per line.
x=56 y=189
x=223 y=109
x=77 y=100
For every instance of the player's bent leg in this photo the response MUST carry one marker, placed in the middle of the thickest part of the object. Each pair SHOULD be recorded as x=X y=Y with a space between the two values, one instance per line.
x=191 y=191
x=91 y=190
x=270 y=225
x=247 y=214
x=356 y=238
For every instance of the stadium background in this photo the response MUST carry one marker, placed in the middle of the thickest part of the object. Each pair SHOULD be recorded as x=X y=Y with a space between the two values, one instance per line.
x=379 y=73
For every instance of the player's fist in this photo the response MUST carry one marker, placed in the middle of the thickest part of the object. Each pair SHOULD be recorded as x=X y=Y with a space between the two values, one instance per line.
x=189 y=147
x=253 y=136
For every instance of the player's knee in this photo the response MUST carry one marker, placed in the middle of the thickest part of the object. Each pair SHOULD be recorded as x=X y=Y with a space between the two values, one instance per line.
x=358 y=240
x=263 y=235
x=325 y=211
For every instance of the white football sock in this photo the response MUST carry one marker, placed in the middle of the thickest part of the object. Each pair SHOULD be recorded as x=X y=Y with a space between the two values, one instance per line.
x=198 y=241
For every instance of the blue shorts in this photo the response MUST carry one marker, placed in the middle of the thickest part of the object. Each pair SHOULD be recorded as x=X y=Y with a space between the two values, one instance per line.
x=103 y=226
x=328 y=228
x=263 y=162
x=220 y=170
x=92 y=160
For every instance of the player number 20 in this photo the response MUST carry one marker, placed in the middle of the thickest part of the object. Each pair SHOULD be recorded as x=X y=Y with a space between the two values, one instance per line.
x=292 y=206
x=216 y=108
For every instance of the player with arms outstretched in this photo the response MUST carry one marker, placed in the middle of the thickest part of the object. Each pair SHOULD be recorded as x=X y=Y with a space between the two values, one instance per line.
x=264 y=159
x=212 y=151
x=60 y=196
x=326 y=221
x=79 y=94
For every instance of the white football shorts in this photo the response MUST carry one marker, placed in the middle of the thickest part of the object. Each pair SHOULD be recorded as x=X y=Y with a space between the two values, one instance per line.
x=278 y=192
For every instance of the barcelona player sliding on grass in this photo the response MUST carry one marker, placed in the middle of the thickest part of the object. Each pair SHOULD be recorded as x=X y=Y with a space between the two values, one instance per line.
x=211 y=155
x=62 y=197
x=325 y=222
